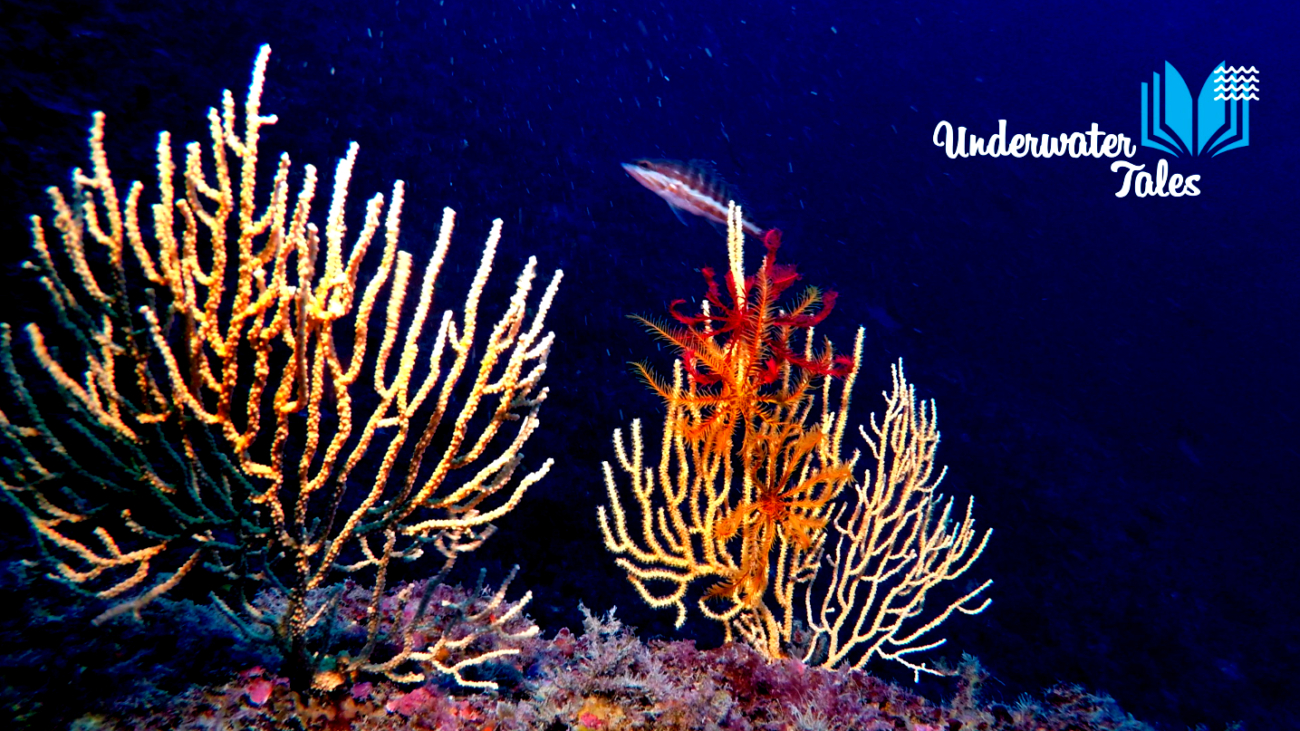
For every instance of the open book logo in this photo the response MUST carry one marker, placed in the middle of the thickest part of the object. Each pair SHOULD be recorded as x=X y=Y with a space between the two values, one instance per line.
x=1218 y=121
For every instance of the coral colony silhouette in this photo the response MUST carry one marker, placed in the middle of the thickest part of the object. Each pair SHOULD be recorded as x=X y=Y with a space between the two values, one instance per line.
x=182 y=422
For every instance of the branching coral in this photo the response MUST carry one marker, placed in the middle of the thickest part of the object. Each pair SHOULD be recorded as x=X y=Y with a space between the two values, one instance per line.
x=752 y=480
x=215 y=397
x=750 y=458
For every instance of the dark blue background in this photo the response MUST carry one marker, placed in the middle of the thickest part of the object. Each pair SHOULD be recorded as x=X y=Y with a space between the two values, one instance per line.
x=1116 y=378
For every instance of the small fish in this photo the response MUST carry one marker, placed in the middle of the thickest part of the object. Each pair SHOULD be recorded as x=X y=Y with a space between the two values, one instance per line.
x=692 y=186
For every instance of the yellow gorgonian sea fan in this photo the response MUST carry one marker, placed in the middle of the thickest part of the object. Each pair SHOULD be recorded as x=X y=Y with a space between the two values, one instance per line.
x=234 y=387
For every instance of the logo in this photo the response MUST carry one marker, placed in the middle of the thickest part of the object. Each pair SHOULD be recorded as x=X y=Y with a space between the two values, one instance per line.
x=1218 y=121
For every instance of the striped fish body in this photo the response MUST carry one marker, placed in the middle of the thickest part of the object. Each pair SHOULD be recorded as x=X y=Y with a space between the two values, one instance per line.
x=692 y=187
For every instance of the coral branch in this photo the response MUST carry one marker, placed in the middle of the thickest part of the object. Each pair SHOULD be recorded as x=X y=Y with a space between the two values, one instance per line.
x=201 y=400
x=752 y=479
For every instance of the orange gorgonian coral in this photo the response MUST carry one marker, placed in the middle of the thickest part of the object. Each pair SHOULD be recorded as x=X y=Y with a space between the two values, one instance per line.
x=741 y=353
x=741 y=415
x=753 y=491
x=748 y=377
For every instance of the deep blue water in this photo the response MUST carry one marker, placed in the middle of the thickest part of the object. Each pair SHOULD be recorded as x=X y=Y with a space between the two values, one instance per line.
x=1116 y=377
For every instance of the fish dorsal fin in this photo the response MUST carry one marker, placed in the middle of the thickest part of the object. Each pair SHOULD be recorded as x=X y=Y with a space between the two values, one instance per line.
x=707 y=167
x=710 y=177
x=705 y=175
